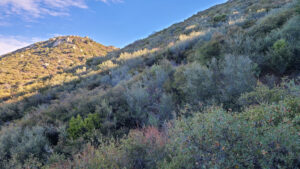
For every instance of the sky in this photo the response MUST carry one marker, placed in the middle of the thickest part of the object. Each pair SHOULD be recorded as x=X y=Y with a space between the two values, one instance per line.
x=109 y=22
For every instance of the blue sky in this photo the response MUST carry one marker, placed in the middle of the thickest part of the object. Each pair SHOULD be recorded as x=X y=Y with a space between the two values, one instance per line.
x=110 y=22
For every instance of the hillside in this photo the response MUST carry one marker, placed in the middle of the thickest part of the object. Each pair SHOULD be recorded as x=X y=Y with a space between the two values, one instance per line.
x=218 y=90
x=23 y=69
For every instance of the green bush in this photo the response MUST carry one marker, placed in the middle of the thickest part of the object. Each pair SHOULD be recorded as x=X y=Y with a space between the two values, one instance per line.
x=279 y=46
x=9 y=112
x=20 y=145
x=142 y=148
x=285 y=111
x=291 y=33
x=237 y=77
x=267 y=95
x=137 y=100
x=276 y=51
x=79 y=127
x=75 y=127
x=248 y=23
x=273 y=21
x=222 y=83
x=218 y=139
x=208 y=51
x=220 y=18
x=194 y=84
x=280 y=56
x=263 y=94
x=147 y=100
x=262 y=136
x=298 y=7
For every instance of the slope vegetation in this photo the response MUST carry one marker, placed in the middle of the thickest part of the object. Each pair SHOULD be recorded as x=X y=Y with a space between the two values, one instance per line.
x=218 y=90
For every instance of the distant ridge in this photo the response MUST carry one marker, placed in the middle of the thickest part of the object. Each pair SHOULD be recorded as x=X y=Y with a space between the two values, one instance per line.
x=46 y=58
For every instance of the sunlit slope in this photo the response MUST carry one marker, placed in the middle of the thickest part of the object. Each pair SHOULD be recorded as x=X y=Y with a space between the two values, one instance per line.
x=20 y=69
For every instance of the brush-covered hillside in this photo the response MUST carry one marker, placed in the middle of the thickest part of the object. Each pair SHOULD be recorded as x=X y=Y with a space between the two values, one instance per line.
x=218 y=90
x=28 y=68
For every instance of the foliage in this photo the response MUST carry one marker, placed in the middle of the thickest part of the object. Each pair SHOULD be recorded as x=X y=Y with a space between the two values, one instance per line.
x=262 y=136
x=194 y=84
x=222 y=83
x=19 y=145
x=271 y=22
x=275 y=50
x=210 y=50
x=142 y=148
x=238 y=78
x=219 y=139
x=264 y=94
x=281 y=56
x=220 y=18
x=72 y=103
x=298 y=7
x=79 y=127
x=248 y=24
x=137 y=100
x=147 y=102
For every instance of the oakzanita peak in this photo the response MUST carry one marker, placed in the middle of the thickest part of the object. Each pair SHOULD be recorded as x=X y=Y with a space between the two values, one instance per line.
x=44 y=59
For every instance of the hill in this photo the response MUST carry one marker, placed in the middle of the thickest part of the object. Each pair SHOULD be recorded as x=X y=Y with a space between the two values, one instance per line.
x=23 y=69
x=218 y=90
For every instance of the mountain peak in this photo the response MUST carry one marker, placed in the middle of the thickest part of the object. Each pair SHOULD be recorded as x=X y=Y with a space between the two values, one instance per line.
x=49 y=57
x=69 y=41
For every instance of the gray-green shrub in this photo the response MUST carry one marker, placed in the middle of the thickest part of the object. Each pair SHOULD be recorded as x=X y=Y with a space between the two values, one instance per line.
x=18 y=145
